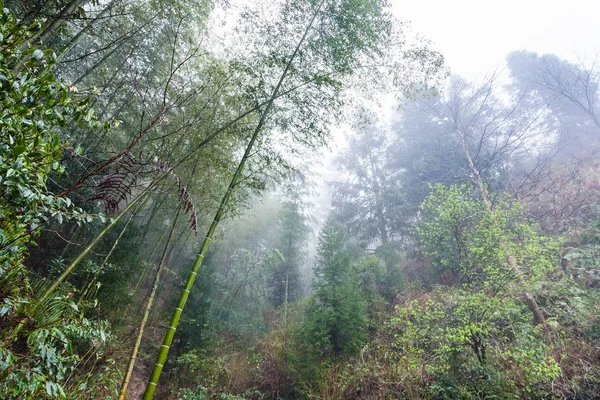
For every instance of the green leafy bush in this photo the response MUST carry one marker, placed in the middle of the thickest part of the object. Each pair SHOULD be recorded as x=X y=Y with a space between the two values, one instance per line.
x=34 y=105
x=470 y=345
x=466 y=240
x=47 y=351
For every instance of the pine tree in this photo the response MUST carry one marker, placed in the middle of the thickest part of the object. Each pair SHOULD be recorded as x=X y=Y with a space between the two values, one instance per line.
x=337 y=314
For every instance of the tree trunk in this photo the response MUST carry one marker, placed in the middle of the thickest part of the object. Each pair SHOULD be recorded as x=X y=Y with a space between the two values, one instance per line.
x=287 y=267
x=115 y=244
x=285 y=300
x=54 y=23
x=527 y=297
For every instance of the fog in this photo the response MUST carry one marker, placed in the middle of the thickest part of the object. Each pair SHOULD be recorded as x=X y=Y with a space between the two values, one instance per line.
x=299 y=199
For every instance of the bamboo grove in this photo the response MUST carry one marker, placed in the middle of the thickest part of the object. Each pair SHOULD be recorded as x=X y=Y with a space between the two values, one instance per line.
x=171 y=227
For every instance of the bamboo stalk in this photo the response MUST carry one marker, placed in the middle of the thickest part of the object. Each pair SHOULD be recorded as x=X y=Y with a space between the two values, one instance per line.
x=168 y=339
x=71 y=43
x=148 y=308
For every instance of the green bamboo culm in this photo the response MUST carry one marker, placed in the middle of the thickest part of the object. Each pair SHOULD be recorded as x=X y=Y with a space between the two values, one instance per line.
x=168 y=340
x=147 y=309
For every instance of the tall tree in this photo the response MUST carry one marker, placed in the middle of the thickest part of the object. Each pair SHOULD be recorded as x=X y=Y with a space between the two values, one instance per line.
x=35 y=107
x=424 y=152
x=561 y=191
x=570 y=90
x=337 y=314
x=293 y=229
x=370 y=201
x=490 y=134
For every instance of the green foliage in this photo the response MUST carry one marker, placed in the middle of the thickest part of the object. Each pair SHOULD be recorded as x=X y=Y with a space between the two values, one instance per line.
x=346 y=36
x=202 y=393
x=465 y=338
x=392 y=281
x=472 y=243
x=175 y=101
x=34 y=107
x=293 y=230
x=55 y=359
x=209 y=371
x=219 y=374
x=370 y=272
x=586 y=258
x=369 y=202
x=471 y=345
x=234 y=289
x=336 y=316
x=51 y=357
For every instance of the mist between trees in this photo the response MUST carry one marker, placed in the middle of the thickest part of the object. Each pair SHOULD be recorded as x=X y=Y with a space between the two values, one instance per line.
x=166 y=230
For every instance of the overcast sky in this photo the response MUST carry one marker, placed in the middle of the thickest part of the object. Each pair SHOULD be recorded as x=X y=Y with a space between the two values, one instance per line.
x=475 y=35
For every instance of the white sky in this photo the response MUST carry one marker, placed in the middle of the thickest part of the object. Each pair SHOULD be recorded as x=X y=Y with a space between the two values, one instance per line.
x=475 y=35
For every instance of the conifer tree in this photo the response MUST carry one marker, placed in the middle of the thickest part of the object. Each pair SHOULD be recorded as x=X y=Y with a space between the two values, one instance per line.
x=337 y=314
